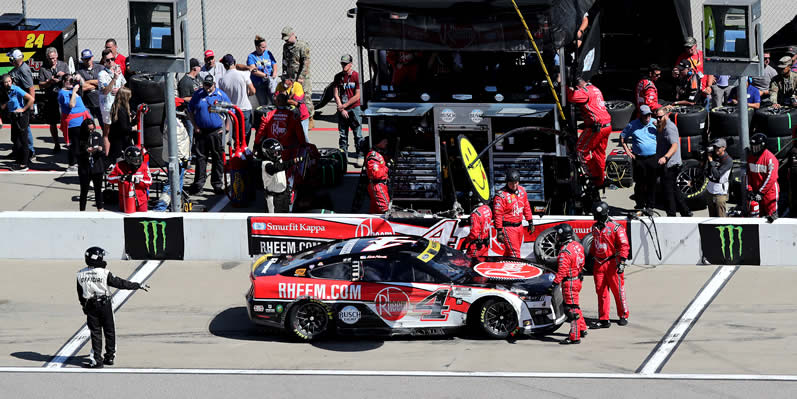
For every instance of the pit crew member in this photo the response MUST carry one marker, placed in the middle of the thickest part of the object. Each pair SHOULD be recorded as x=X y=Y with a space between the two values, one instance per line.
x=510 y=207
x=570 y=263
x=598 y=125
x=610 y=249
x=762 y=176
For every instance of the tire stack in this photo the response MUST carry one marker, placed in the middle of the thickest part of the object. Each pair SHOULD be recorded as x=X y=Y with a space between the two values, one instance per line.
x=779 y=124
x=691 y=123
x=725 y=124
x=150 y=89
x=621 y=112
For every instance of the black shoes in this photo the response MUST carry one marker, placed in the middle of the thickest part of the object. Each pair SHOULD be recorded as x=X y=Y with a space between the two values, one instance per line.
x=93 y=365
x=218 y=190
x=108 y=361
x=583 y=333
x=622 y=322
x=600 y=324
x=568 y=341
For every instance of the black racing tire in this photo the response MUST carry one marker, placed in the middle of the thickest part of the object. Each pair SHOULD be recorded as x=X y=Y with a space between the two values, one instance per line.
x=692 y=146
x=153 y=137
x=724 y=121
x=692 y=182
x=544 y=331
x=545 y=250
x=156 y=157
x=155 y=115
x=621 y=112
x=690 y=120
x=326 y=96
x=735 y=182
x=497 y=318
x=147 y=88
x=307 y=320
x=589 y=260
x=776 y=122
x=776 y=144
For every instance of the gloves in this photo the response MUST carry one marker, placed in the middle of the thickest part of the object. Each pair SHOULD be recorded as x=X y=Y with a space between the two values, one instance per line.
x=530 y=228
x=144 y=287
x=621 y=267
x=500 y=237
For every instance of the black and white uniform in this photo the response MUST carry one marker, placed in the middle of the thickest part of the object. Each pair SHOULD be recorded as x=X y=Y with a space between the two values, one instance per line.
x=278 y=196
x=94 y=294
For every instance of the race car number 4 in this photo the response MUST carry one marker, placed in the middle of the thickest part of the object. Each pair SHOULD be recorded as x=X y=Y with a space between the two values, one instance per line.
x=507 y=270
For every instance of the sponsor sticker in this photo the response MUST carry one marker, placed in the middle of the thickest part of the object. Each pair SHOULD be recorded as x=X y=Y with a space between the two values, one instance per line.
x=257 y=308
x=448 y=115
x=349 y=315
x=476 y=115
x=392 y=303
x=431 y=250
x=279 y=308
x=507 y=270
x=300 y=272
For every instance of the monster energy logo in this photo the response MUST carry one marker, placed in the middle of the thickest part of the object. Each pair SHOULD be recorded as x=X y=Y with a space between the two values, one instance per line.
x=730 y=229
x=154 y=227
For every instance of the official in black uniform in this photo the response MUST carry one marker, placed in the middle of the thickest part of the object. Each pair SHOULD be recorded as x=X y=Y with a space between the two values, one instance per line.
x=94 y=294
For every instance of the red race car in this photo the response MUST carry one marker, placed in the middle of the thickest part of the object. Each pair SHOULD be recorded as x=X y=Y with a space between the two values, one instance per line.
x=401 y=285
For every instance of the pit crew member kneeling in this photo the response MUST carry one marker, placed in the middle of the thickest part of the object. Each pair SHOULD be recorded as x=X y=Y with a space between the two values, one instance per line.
x=275 y=181
x=510 y=206
x=762 y=176
x=134 y=179
x=610 y=249
x=570 y=263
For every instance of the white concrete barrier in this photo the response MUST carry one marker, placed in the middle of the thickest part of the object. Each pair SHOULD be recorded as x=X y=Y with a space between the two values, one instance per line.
x=224 y=236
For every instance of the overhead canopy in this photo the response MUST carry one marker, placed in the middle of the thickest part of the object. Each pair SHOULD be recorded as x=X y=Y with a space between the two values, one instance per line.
x=477 y=25
x=784 y=37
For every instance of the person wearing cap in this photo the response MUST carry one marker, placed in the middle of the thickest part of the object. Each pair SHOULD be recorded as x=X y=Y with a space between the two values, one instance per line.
x=110 y=79
x=90 y=73
x=641 y=133
x=208 y=128
x=762 y=82
x=118 y=58
x=211 y=67
x=19 y=102
x=668 y=155
x=718 y=167
x=347 y=97
x=782 y=89
x=297 y=99
x=22 y=77
x=694 y=57
x=50 y=81
x=188 y=84
x=263 y=67
x=238 y=86
x=687 y=90
x=296 y=63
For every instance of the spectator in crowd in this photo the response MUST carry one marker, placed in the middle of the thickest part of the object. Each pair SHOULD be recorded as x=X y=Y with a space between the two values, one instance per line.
x=123 y=130
x=782 y=89
x=720 y=91
x=238 y=86
x=132 y=174
x=762 y=176
x=22 y=77
x=694 y=57
x=753 y=96
x=50 y=82
x=296 y=63
x=791 y=51
x=641 y=133
x=347 y=97
x=189 y=83
x=762 y=82
x=18 y=105
x=263 y=67
x=110 y=81
x=91 y=168
x=211 y=67
x=283 y=126
x=73 y=112
x=119 y=59
x=668 y=153
x=297 y=98
x=208 y=128
x=718 y=167
x=598 y=125
x=646 y=91
x=89 y=73
x=687 y=90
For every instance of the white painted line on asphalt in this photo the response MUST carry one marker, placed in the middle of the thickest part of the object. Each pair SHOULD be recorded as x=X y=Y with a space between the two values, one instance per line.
x=37 y=172
x=396 y=373
x=221 y=204
x=665 y=348
x=73 y=345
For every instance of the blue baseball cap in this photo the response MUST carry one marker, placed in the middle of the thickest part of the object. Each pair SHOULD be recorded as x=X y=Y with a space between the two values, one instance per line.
x=86 y=53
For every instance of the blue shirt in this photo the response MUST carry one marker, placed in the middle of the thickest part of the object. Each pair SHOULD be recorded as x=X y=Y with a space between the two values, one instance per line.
x=753 y=95
x=643 y=137
x=200 y=104
x=63 y=100
x=265 y=63
x=16 y=98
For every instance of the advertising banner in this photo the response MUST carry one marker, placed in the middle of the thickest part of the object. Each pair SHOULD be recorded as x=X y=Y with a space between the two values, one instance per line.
x=730 y=244
x=150 y=238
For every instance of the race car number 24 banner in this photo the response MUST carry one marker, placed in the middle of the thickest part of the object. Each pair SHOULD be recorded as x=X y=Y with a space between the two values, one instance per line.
x=730 y=244
x=151 y=238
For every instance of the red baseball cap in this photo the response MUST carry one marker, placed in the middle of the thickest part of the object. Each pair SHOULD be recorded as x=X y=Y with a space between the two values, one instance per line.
x=209 y=53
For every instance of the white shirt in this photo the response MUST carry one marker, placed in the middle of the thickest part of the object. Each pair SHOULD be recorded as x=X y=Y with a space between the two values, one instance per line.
x=105 y=77
x=234 y=84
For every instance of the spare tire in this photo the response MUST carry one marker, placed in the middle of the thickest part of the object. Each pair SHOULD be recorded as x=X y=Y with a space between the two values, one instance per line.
x=724 y=121
x=692 y=182
x=776 y=144
x=621 y=112
x=692 y=146
x=776 y=122
x=690 y=120
x=147 y=88
x=589 y=260
x=156 y=157
x=155 y=115
x=153 y=137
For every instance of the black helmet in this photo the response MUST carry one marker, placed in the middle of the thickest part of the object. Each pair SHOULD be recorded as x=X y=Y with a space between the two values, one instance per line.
x=134 y=157
x=758 y=143
x=512 y=175
x=272 y=149
x=564 y=234
x=600 y=211
x=94 y=257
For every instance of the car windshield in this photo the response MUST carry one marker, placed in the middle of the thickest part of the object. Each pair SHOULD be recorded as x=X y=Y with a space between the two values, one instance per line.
x=291 y=261
x=451 y=263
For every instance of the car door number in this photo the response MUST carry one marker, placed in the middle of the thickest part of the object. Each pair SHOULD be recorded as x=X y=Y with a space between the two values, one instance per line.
x=435 y=305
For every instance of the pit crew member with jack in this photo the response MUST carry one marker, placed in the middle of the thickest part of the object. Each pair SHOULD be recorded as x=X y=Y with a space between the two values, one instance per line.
x=510 y=207
x=762 y=176
x=570 y=262
x=610 y=249
x=94 y=294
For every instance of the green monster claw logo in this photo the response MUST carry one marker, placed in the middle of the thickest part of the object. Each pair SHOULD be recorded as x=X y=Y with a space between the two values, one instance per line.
x=154 y=224
x=730 y=230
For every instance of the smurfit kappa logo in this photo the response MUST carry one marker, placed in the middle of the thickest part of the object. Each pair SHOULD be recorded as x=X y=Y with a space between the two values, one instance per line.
x=154 y=230
x=730 y=243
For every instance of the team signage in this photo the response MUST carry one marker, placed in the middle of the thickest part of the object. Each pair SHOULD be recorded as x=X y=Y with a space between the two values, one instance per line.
x=730 y=244
x=150 y=238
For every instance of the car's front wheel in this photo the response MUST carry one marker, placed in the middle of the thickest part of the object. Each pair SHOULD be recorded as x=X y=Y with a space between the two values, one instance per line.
x=308 y=320
x=497 y=318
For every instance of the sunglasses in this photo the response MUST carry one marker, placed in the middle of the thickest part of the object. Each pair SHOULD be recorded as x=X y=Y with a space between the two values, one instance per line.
x=110 y=59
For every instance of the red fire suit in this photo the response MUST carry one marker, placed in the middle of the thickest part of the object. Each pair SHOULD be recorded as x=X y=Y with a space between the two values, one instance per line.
x=571 y=261
x=598 y=125
x=647 y=94
x=141 y=180
x=509 y=210
x=376 y=168
x=762 y=177
x=478 y=241
x=281 y=125
x=609 y=246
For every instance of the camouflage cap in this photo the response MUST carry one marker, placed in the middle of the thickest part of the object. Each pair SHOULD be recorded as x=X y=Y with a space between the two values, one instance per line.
x=286 y=32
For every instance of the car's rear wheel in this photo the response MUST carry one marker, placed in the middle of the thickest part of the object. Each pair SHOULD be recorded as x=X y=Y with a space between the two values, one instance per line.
x=497 y=318
x=308 y=320
x=545 y=250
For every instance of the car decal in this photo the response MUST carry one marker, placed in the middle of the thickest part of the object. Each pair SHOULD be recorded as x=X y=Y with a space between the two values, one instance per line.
x=507 y=270
x=431 y=250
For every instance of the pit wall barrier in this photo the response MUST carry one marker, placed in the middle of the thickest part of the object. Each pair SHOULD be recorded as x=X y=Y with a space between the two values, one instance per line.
x=233 y=236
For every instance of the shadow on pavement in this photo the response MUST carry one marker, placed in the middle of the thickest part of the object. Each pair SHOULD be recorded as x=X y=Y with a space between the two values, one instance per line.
x=42 y=358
